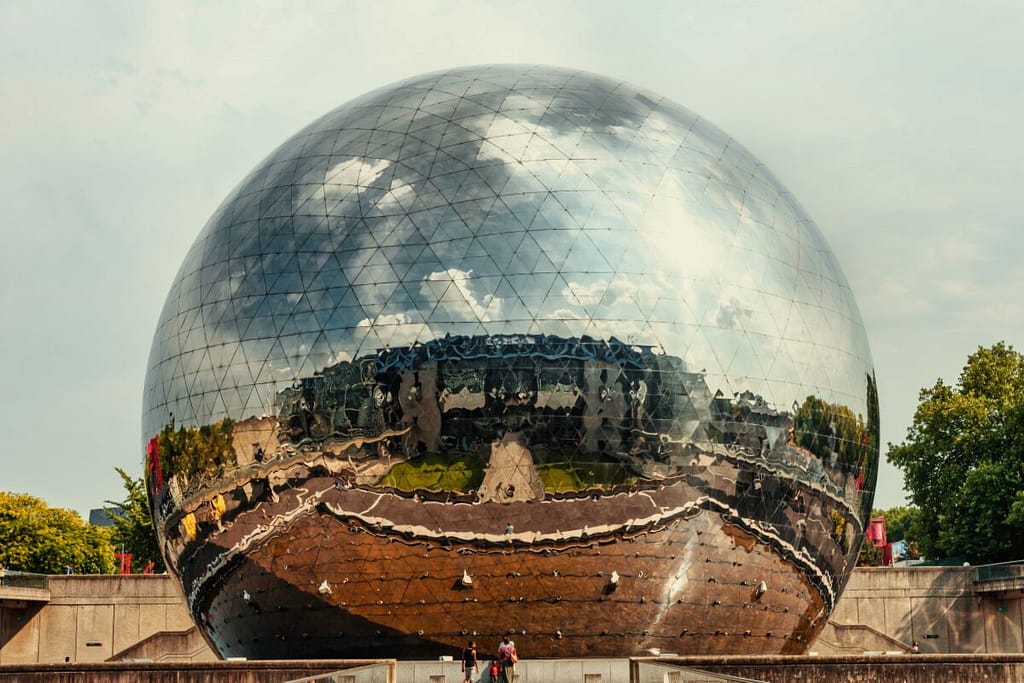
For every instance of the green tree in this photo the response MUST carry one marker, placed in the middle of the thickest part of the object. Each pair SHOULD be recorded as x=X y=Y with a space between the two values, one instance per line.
x=37 y=538
x=963 y=461
x=870 y=555
x=133 y=530
x=899 y=522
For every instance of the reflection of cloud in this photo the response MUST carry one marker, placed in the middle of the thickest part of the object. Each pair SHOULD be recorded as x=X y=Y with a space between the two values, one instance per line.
x=567 y=314
x=356 y=171
x=464 y=306
x=452 y=290
x=637 y=295
x=338 y=357
x=387 y=319
x=619 y=307
x=401 y=191
x=732 y=313
x=396 y=329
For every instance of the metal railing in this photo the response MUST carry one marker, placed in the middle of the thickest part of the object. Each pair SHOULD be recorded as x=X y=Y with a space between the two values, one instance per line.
x=382 y=672
x=657 y=672
x=13 y=579
x=1001 y=572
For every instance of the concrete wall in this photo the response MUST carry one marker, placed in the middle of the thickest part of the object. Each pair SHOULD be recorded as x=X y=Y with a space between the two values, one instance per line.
x=220 y=672
x=896 y=669
x=899 y=669
x=598 y=670
x=92 y=618
x=936 y=606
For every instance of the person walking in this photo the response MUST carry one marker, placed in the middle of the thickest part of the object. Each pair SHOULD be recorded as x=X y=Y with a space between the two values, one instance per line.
x=508 y=657
x=469 y=662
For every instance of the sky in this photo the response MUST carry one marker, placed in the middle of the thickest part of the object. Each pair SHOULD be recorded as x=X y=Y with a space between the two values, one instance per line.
x=899 y=126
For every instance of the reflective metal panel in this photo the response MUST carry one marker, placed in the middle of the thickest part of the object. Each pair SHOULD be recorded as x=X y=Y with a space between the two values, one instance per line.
x=510 y=347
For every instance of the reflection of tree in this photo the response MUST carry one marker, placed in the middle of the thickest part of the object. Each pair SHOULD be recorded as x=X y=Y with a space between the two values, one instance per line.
x=839 y=528
x=869 y=463
x=826 y=428
x=197 y=453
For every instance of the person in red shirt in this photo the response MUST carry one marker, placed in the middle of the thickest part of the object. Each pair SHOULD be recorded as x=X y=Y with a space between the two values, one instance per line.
x=508 y=657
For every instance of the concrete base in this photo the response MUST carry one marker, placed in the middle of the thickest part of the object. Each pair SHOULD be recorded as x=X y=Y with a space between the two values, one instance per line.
x=878 y=669
x=881 y=669
x=180 y=672
x=114 y=618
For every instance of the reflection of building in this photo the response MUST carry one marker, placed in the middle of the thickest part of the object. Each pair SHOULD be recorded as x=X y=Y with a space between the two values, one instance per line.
x=526 y=324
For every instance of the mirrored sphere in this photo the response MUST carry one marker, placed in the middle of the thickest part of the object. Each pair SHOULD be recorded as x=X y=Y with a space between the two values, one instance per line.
x=510 y=348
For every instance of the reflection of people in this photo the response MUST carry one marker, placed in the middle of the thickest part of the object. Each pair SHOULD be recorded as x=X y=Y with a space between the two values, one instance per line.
x=639 y=396
x=188 y=524
x=217 y=509
x=507 y=657
x=469 y=662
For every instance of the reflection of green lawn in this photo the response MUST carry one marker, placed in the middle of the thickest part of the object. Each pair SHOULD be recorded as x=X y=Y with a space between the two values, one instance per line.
x=437 y=472
x=561 y=477
x=463 y=472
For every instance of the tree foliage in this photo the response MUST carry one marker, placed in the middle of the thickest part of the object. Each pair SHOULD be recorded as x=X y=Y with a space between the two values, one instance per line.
x=963 y=461
x=133 y=530
x=37 y=538
x=899 y=522
x=870 y=555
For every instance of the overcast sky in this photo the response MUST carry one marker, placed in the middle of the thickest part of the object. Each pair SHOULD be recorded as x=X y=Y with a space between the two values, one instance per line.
x=898 y=126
